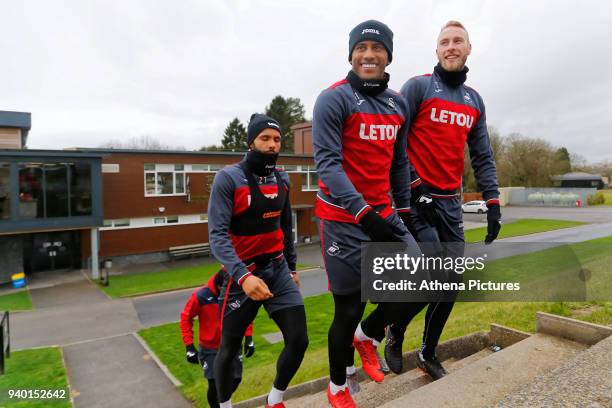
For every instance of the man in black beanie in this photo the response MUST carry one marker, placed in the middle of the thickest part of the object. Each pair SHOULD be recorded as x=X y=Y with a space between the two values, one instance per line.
x=359 y=139
x=249 y=227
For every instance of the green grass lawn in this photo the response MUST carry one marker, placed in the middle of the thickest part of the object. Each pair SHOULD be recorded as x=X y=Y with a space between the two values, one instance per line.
x=149 y=282
x=521 y=227
x=36 y=369
x=578 y=271
x=467 y=317
x=134 y=284
x=16 y=301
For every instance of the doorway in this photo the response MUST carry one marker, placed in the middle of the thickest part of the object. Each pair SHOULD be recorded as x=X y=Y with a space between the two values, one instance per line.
x=47 y=251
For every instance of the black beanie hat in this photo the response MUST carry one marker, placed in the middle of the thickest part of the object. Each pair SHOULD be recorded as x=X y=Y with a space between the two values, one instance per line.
x=258 y=123
x=372 y=30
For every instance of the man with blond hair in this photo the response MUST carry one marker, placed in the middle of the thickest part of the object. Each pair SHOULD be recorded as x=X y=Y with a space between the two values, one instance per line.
x=444 y=115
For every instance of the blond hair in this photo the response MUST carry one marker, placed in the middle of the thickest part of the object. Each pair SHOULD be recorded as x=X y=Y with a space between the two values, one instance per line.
x=455 y=23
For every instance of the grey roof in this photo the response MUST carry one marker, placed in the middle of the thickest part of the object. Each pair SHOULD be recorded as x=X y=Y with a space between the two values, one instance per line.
x=34 y=153
x=577 y=176
x=180 y=152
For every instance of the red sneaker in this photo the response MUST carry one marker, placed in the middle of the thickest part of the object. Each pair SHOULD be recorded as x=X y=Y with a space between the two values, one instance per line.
x=342 y=399
x=369 y=361
x=278 y=405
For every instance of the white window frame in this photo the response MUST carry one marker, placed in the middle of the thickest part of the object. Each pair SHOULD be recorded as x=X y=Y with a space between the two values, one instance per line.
x=166 y=168
x=112 y=224
x=149 y=222
x=308 y=170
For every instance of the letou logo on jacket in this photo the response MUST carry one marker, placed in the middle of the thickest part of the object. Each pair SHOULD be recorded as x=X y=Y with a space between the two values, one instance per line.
x=378 y=132
x=453 y=118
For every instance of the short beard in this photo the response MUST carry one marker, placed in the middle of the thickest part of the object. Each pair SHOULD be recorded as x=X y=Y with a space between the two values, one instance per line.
x=261 y=151
x=453 y=68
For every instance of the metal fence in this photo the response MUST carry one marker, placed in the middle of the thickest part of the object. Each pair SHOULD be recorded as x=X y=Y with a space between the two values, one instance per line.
x=550 y=197
x=5 y=340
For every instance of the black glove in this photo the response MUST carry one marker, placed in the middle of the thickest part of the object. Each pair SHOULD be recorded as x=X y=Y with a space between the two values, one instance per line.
x=249 y=346
x=493 y=227
x=424 y=204
x=405 y=216
x=191 y=354
x=378 y=228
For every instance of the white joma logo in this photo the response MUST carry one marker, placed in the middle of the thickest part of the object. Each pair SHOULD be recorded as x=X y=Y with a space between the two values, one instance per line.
x=370 y=30
x=425 y=200
x=273 y=124
x=378 y=132
x=452 y=118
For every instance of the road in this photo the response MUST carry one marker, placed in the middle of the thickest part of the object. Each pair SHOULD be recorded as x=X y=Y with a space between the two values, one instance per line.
x=600 y=214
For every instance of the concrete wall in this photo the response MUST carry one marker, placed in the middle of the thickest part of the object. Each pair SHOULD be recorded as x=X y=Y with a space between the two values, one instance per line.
x=11 y=261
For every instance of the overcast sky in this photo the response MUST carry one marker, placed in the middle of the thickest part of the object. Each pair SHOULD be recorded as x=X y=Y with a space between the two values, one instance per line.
x=91 y=71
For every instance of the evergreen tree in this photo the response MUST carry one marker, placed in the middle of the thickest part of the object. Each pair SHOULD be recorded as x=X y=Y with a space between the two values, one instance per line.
x=235 y=136
x=563 y=162
x=288 y=112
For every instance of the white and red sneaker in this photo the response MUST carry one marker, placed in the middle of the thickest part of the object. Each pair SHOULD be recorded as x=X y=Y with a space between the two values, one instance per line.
x=342 y=399
x=277 y=405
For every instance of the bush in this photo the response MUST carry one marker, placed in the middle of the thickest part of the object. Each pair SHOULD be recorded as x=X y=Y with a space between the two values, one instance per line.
x=596 y=199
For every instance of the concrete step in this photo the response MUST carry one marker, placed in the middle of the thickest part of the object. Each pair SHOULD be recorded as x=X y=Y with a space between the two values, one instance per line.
x=458 y=348
x=584 y=381
x=488 y=380
x=373 y=395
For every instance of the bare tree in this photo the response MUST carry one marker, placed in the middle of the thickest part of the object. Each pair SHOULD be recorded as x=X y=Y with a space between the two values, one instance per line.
x=143 y=142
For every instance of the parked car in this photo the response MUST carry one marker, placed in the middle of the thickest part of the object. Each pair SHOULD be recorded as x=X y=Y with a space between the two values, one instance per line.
x=477 y=206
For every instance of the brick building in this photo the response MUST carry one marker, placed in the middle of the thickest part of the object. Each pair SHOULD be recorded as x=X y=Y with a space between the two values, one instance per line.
x=70 y=208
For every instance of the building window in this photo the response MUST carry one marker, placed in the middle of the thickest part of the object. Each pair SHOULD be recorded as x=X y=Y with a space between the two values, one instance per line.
x=150 y=183
x=5 y=191
x=165 y=183
x=310 y=179
x=164 y=180
x=289 y=168
x=56 y=190
x=31 y=200
x=151 y=222
x=179 y=183
x=49 y=190
x=199 y=167
x=80 y=189
x=123 y=222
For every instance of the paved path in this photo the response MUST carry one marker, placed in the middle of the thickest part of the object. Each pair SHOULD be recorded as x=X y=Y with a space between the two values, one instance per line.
x=118 y=372
x=83 y=292
x=107 y=366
